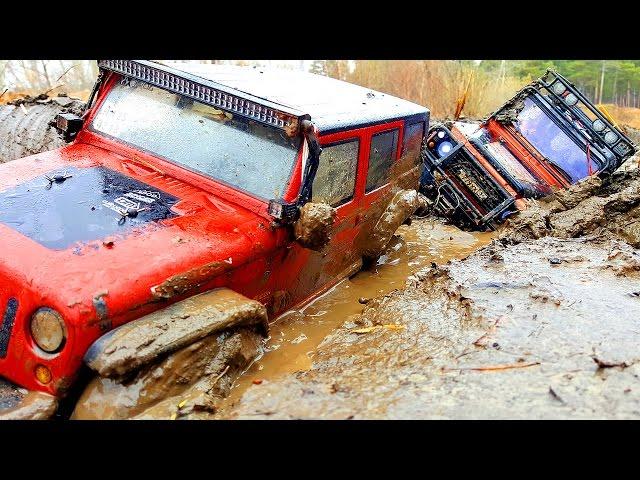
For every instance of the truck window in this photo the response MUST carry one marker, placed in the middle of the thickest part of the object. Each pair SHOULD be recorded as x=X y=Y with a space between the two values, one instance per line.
x=550 y=140
x=335 y=179
x=253 y=157
x=383 y=152
x=413 y=135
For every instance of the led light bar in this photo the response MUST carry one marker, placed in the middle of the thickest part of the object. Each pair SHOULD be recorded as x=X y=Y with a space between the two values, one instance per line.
x=208 y=92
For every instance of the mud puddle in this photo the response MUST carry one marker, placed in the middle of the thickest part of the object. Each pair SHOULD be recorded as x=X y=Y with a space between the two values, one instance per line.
x=296 y=334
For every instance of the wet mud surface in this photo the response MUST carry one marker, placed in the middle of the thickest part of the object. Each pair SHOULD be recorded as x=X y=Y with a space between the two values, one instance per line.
x=20 y=404
x=547 y=329
x=541 y=323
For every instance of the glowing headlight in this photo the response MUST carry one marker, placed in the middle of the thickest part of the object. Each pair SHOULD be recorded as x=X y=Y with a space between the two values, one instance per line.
x=558 y=88
x=48 y=329
x=610 y=137
x=444 y=148
x=440 y=134
x=571 y=99
x=598 y=125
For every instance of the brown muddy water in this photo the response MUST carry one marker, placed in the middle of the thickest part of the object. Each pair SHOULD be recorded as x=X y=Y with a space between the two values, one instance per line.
x=295 y=335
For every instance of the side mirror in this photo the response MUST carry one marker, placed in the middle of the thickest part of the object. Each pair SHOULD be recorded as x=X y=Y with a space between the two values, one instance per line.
x=311 y=223
x=68 y=124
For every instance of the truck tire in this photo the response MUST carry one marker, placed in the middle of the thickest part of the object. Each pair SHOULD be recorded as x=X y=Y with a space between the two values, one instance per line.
x=25 y=128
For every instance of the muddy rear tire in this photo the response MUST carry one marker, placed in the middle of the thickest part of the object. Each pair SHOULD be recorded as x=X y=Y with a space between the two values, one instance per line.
x=26 y=130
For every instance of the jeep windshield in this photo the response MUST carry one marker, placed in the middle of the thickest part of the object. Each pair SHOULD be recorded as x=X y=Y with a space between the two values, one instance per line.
x=245 y=154
x=552 y=142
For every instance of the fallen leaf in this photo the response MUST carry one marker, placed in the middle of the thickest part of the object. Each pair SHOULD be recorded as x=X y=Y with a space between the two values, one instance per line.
x=393 y=326
x=365 y=330
x=387 y=326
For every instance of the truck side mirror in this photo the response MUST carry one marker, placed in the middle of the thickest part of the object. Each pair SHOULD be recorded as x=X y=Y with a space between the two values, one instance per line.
x=68 y=124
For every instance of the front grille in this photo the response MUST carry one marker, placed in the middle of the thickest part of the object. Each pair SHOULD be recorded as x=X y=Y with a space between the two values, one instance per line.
x=479 y=196
x=8 y=320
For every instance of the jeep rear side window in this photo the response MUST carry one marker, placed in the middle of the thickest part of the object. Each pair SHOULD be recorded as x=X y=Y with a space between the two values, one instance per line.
x=335 y=179
x=413 y=135
x=383 y=152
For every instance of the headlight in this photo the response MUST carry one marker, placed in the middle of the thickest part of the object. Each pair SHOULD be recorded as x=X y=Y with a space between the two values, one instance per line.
x=558 y=88
x=610 y=137
x=444 y=148
x=48 y=329
x=598 y=125
x=571 y=99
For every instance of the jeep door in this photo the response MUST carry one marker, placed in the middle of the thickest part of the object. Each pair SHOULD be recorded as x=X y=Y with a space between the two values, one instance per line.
x=306 y=273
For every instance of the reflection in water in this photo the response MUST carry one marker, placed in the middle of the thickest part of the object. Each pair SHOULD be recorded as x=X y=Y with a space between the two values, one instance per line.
x=296 y=334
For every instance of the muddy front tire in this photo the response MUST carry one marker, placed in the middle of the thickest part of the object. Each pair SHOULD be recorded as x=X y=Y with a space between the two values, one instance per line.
x=176 y=361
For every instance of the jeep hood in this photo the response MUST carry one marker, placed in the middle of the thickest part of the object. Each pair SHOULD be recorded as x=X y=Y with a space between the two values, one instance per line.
x=82 y=222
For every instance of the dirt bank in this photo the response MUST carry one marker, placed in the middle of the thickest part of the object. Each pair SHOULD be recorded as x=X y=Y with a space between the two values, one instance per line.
x=541 y=323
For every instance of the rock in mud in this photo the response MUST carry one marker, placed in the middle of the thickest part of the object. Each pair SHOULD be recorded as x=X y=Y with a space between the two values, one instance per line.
x=26 y=125
x=313 y=229
x=519 y=338
x=141 y=341
x=192 y=380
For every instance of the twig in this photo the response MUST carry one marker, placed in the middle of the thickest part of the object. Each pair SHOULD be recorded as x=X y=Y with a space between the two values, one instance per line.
x=215 y=380
x=66 y=71
x=2 y=94
x=489 y=368
x=53 y=88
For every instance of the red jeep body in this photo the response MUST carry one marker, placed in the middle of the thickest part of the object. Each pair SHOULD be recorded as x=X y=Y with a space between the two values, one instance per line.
x=63 y=245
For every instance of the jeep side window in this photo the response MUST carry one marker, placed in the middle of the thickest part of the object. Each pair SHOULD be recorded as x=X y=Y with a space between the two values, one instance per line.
x=412 y=144
x=335 y=179
x=383 y=152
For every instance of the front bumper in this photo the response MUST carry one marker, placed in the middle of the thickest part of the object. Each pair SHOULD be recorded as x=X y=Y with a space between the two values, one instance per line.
x=20 y=404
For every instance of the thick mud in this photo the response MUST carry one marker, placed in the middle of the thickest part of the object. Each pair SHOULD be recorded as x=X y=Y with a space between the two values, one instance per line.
x=313 y=229
x=295 y=336
x=604 y=208
x=20 y=404
x=547 y=329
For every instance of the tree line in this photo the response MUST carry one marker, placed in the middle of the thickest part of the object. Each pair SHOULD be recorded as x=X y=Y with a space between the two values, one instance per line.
x=438 y=84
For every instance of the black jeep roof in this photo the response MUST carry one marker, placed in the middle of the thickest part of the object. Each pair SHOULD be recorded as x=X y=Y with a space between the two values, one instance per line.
x=332 y=104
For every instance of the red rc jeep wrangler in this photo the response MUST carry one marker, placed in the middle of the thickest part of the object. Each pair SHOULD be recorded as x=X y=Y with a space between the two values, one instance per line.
x=238 y=185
